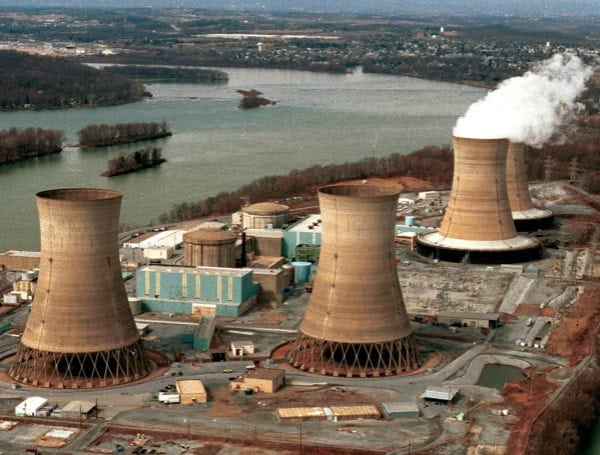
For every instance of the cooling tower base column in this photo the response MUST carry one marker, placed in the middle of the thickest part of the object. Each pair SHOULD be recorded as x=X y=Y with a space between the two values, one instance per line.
x=353 y=359
x=80 y=370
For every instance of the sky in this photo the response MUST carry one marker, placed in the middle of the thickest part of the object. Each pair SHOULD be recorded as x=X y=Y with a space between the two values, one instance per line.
x=433 y=7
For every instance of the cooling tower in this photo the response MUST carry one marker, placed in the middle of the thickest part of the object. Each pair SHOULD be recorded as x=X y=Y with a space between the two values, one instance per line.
x=355 y=322
x=478 y=225
x=526 y=216
x=80 y=332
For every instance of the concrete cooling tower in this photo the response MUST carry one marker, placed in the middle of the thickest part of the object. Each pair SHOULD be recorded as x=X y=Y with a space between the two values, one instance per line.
x=478 y=224
x=526 y=216
x=355 y=322
x=80 y=332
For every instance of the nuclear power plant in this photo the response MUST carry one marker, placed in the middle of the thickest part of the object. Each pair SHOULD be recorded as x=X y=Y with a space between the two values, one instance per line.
x=477 y=225
x=355 y=323
x=526 y=216
x=80 y=332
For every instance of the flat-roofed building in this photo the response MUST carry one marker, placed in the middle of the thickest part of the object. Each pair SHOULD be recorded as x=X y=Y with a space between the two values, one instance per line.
x=191 y=391
x=475 y=320
x=262 y=380
x=307 y=413
x=398 y=409
x=78 y=409
x=355 y=412
x=441 y=393
x=20 y=260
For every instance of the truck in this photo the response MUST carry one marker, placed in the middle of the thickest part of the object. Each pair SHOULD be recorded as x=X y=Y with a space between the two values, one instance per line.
x=169 y=397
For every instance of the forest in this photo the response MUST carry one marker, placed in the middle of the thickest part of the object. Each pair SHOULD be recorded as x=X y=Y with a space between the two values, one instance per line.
x=121 y=133
x=136 y=161
x=169 y=74
x=19 y=144
x=433 y=164
x=41 y=82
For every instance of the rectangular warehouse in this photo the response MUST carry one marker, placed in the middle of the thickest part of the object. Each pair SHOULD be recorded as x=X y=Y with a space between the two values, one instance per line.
x=179 y=289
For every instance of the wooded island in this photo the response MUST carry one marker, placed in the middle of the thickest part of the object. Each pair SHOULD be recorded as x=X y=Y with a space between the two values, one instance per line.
x=121 y=133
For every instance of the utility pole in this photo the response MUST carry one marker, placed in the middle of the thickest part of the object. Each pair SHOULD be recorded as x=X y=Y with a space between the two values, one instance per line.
x=548 y=166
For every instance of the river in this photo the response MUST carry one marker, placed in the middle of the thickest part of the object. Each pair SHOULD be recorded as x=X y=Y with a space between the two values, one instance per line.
x=319 y=118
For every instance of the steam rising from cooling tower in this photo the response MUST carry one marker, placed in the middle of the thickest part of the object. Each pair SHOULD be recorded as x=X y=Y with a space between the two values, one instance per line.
x=528 y=108
x=477 y=224
x=356 y=323
x=80 y=332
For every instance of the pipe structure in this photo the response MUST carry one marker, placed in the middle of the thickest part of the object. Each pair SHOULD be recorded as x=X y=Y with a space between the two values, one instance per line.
x=477 y=225
x=526 y=216
x=80 y=332
x=355 y=323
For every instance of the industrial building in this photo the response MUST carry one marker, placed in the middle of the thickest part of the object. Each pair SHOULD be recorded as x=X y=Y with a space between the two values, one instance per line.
x=191 y=391
x=19 y=260
x=355 y=323
x=526 y=216
x=306 y=232
x=80 y=331
x=264 y=214
x=477 y=226
x=260 y=380
x=209 y=247
x=398 y=410
x=469 y=319
x=203 y=290
x=78 y=409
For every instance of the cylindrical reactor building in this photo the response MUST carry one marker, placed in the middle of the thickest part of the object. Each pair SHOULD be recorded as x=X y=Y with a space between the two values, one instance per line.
x=478 y=224
x=526 y=216
x=80 y=332
x=264 y=214
x=209 y=247
x=355 y=322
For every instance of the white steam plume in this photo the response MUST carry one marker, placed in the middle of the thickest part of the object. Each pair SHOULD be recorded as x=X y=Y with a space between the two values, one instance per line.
x=528 y=108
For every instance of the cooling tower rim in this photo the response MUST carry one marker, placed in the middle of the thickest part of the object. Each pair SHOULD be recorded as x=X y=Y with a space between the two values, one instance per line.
x=361 y=191
x=79 y=195
x=532 y=214
x=480 y=139
x=520 y=242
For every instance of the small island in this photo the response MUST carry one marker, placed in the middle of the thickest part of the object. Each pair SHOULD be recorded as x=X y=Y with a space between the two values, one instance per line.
x=252 y=99
x=121 y=133
x=136 y=161
x=20 y=144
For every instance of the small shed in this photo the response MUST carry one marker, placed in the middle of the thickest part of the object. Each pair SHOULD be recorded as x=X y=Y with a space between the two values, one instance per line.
x=191 y=391
x=398 y=409
x=78 y=409
x=241 y=348
x=441 y=394
x=262 y=380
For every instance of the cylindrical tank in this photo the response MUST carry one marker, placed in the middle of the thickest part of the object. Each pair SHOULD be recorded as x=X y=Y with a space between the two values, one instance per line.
x=264 y=214
x=355 y=322
x=526 y=216
x=409 y=220
x=478 y=221
x=301 y=271
x=80 y=332
x=209 y=247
